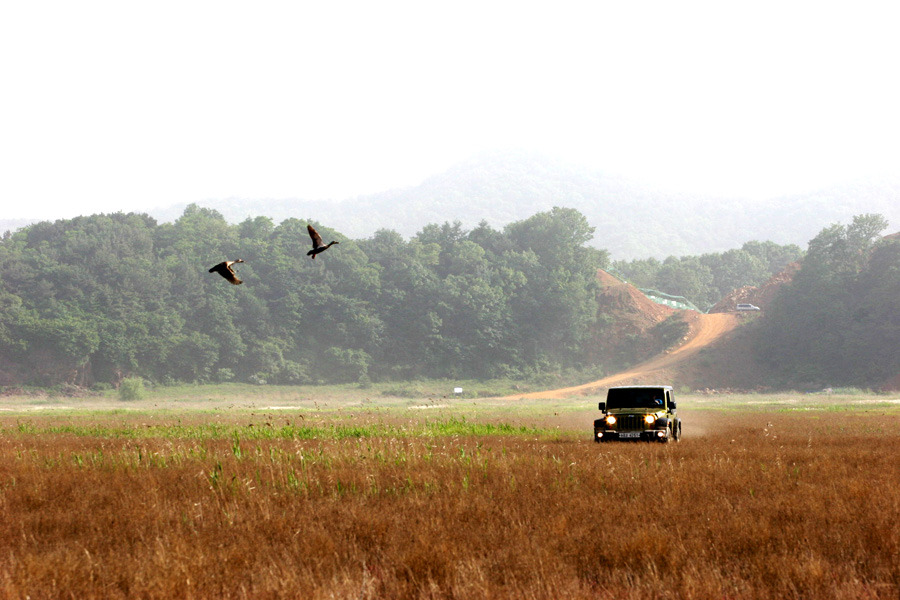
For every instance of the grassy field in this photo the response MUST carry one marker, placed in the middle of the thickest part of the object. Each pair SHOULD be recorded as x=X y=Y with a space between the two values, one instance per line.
x=236 y=492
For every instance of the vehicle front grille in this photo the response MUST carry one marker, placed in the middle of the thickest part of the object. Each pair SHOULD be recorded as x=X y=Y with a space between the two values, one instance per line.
x=631 y=423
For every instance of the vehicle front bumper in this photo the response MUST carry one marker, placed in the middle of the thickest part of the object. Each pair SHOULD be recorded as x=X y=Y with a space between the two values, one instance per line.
x=645 y=435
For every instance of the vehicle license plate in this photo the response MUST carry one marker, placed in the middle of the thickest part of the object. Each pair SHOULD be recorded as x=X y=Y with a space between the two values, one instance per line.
x=629 y=434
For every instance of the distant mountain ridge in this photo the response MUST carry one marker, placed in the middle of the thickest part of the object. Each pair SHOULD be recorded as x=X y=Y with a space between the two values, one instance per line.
x=631 y=220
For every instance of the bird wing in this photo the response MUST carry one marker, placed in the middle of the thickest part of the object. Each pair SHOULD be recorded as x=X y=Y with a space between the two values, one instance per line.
x=316 y=238
x=232 y=276
x=224 y=269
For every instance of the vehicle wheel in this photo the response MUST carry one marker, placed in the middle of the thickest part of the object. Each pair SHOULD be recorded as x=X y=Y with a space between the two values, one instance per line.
x=677 y=437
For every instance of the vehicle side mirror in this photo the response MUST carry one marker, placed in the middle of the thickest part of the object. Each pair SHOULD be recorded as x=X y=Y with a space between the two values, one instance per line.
x=602 y=406
x=672 y=405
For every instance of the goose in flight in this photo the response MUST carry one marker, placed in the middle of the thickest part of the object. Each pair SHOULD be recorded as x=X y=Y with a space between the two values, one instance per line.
x=224 y=269
x=317 y=243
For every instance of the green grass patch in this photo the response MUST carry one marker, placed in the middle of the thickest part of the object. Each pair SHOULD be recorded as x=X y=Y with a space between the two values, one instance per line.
x=327 y=431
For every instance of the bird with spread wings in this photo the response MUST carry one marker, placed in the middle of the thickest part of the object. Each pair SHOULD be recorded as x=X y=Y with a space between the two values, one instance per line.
x=224 y=269
x=317 y=244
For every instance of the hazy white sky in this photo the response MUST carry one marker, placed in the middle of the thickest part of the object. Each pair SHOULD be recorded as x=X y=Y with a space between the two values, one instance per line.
x=108 y=106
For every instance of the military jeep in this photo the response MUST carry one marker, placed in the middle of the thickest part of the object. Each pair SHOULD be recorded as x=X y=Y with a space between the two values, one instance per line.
x=638 y=412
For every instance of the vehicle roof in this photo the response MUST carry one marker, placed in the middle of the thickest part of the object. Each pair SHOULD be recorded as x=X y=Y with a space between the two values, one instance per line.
x=629 y=387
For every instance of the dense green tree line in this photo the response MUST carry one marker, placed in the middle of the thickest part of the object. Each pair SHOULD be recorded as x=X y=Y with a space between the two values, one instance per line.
x=706 y=279
x=838 y=322
x=102 y=297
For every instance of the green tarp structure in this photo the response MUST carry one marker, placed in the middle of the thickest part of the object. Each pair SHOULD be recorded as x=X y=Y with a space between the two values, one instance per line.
x=679 y=302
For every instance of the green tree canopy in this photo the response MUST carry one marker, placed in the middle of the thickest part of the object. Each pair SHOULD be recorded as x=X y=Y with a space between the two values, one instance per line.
x=837 y=322
x=116 y=296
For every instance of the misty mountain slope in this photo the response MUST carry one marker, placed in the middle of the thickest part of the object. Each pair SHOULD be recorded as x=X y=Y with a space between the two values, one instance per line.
x=631 y=220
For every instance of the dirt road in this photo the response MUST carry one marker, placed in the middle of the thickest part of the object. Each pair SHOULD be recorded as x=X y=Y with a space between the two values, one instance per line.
x=704 y=329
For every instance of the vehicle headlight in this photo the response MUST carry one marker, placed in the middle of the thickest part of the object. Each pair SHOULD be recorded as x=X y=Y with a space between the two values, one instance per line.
x=649 y=419
x=610 y=420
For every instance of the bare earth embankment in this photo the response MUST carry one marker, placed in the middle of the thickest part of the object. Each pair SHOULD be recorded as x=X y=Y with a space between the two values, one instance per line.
x=704 y=330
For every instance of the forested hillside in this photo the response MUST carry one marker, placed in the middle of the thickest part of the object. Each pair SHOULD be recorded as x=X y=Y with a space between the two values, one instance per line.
x=99 y=298
x=838 y=321
x=706 y=279
x=102 y=297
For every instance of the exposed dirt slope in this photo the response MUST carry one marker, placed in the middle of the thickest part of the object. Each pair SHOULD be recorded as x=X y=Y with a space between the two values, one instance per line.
x=762 y=295
x=705 y=329
x=627 y=337
x=618 y=294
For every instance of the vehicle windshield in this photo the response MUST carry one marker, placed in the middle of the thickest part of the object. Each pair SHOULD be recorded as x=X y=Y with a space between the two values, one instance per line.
x=635 y=398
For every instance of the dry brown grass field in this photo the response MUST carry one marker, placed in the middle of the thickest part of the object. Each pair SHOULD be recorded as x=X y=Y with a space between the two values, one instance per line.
x=398 y=503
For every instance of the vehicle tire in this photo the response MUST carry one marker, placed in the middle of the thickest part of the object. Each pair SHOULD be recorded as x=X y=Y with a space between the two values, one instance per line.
x=677 y=434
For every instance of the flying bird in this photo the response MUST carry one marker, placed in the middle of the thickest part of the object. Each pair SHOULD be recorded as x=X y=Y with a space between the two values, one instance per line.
x=224 y=269
x=318 y=244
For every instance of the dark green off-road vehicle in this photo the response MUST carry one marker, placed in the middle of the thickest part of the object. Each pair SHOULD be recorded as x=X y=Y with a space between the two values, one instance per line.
x=638 y=412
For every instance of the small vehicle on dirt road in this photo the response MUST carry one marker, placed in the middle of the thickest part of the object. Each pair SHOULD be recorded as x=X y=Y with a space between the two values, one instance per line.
x=638 y=412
